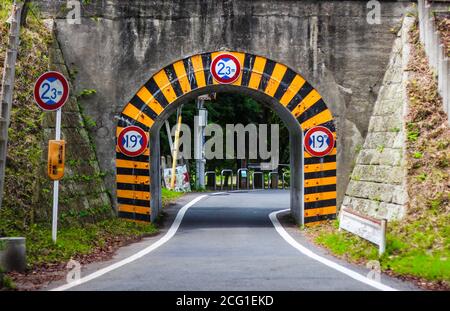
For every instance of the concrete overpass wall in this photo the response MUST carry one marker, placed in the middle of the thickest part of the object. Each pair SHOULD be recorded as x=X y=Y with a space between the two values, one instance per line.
x=120 y=44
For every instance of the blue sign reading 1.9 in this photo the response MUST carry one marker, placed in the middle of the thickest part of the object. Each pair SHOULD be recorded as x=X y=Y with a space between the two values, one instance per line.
x=132 y=141
x=319 y=141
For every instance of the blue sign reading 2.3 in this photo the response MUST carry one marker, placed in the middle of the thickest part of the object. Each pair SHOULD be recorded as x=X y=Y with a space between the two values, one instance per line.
x=51 y=91
x=225 y=68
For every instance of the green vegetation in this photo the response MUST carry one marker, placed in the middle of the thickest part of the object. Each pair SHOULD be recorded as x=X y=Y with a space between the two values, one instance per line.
x=421 y=177
x=418 y=155
x=412 y=135
x=169 y=196
x=5 y=10
x=6 y=282
x=380 y=148
x=75 y=241
x=87 y=92
x=24 y=158
x=413 y=249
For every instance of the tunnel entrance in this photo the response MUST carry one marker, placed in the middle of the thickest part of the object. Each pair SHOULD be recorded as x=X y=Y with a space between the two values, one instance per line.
x=296 y=102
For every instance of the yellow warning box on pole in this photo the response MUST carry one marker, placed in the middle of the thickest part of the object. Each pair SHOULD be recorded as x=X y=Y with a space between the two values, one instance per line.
x=56 y=155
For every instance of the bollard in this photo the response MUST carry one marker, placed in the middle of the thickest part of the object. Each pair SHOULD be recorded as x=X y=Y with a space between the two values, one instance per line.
x=240 y=177
x=253 y=179
x=283 y=179
x=273 y=176
x=12 y=254
x=208 y=184
x=221 y=178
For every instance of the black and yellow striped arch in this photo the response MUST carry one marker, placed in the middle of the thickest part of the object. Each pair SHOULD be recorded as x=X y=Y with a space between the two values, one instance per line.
x=258 y=73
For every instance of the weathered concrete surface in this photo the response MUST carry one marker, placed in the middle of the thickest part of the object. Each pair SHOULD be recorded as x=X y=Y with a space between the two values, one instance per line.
x=120 y=44
x=83 y=193
x=378 y=182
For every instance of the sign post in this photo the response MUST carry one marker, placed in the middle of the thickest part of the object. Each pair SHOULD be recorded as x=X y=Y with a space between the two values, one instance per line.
x=51 y=92
x=56 y=182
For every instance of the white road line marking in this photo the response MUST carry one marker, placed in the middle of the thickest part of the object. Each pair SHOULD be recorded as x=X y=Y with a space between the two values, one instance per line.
x=217 y=193
x=173 y=229
x=329 y=263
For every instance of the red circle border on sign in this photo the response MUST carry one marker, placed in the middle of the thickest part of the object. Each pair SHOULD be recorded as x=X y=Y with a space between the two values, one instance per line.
x=122 y=134
x=64 y=98
x=216 y=76
x=312 y=131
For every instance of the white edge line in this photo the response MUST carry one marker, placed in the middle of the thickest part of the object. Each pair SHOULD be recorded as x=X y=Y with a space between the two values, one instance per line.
x=327 y=262
x=173 y=229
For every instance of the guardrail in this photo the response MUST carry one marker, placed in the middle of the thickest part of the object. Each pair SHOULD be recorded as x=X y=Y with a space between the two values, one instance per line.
x=435 y=50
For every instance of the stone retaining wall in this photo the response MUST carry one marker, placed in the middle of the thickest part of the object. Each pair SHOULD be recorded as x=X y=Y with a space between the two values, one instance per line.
x=377 y=184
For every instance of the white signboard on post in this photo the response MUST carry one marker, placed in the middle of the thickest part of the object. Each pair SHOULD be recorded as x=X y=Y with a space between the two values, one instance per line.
x=368 y=228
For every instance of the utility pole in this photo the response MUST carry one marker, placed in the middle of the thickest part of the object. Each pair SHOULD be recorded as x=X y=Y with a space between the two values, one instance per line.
x=200 y=161
x=6 y=95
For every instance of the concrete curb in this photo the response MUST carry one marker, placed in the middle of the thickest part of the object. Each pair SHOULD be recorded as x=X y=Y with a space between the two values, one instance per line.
x=12 y=254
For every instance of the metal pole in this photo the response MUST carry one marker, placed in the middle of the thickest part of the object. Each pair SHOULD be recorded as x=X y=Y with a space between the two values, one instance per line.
x=200 y=156
x=169 y=136
x=302 y=180
x=56 y=182
x=6 y=94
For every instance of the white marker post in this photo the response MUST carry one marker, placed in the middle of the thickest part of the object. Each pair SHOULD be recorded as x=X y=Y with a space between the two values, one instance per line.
x=56 y=182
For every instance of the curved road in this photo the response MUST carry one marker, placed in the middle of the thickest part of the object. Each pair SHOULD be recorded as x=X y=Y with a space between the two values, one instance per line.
x=227 y=242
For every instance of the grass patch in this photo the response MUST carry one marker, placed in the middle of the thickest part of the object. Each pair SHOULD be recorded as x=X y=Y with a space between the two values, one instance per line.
x=411 y=250
x=348 y=245
x=77 y=240
x=169 y=196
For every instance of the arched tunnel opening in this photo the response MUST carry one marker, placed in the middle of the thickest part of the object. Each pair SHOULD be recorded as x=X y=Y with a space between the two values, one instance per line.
x=296 y=102
x=233 y=109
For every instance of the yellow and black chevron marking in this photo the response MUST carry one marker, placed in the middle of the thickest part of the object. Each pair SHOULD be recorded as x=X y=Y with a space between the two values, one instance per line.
x=258 y=73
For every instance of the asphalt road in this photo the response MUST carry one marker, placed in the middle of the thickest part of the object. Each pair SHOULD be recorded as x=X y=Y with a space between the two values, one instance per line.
x=227 y=242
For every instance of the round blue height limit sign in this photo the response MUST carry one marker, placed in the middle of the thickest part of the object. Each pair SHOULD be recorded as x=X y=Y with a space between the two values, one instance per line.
x=51 y=91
